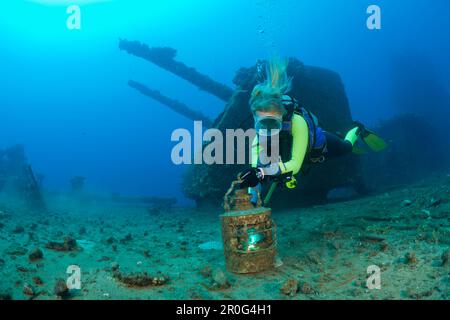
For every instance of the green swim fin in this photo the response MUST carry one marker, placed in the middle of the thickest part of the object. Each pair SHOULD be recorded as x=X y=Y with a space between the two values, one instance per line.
x=358 y=150
x=373 y=141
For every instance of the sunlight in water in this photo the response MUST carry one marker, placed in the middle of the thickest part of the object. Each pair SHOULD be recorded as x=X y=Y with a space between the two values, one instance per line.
x=67 y=2
x=45 y=21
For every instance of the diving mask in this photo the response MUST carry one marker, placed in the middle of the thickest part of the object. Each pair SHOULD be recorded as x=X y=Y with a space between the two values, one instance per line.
x=268 y=125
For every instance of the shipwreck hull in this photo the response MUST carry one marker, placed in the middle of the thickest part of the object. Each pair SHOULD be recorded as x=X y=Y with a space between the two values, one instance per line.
x=319 y=90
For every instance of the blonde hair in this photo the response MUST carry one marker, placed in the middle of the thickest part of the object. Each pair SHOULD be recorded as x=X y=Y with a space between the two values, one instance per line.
x=266 y=96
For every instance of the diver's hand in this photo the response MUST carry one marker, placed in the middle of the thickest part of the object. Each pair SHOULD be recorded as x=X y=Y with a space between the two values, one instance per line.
x=251 y=177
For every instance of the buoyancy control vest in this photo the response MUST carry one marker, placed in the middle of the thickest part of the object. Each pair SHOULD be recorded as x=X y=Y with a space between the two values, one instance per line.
x=316 y=140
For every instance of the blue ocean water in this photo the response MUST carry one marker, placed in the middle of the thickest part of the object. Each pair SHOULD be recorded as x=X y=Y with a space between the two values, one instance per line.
x=64 y=93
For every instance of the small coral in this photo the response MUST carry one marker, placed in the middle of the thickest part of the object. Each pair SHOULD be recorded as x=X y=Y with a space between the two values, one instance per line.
x=206 y=272
x=69 y=244
x=111 y=240
x=306 y=288
x=410 y=258
x=290 y=287
x=220 y=280
x=445 y=258
x=314 y=257
x=126 y=239
x=28 y=290
x=35 y=255
x=38 y=281
x=61 y=290
x=138 y=279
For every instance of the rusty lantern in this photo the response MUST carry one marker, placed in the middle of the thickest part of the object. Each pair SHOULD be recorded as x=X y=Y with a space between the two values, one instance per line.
x=248 y=234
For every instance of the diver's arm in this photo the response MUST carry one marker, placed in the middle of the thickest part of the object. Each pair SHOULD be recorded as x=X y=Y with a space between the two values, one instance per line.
x=300 y=139
x=254 y=191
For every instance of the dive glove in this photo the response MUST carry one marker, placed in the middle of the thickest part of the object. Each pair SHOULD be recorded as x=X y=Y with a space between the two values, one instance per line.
x=251 y=177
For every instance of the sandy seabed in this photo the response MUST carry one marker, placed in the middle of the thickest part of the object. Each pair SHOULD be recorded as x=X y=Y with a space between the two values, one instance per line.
x=126 y=252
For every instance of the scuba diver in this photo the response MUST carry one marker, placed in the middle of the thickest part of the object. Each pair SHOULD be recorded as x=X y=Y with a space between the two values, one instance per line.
x=282 y=122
